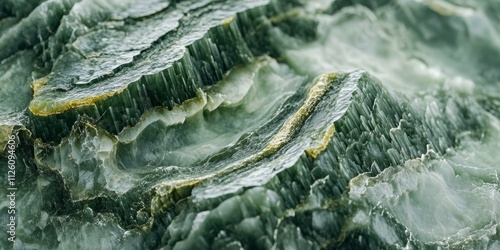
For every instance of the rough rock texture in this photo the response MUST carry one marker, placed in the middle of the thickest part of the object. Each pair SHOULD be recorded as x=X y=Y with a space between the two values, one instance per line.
x=261 y=124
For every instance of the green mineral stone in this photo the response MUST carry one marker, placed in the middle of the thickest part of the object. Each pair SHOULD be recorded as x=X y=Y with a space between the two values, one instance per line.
x=252 y=124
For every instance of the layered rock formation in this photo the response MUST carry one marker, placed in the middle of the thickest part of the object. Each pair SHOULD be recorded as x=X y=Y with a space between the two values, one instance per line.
x=250 y=124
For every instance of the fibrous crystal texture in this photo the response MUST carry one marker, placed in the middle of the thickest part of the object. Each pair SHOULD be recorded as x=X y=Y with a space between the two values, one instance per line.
x=250 y=124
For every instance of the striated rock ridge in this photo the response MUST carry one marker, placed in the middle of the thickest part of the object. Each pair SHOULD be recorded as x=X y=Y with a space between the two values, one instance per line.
x=196 y=48
x=241 y=195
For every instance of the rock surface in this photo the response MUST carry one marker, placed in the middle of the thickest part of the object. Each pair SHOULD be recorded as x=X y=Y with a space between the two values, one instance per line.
x=264 y=124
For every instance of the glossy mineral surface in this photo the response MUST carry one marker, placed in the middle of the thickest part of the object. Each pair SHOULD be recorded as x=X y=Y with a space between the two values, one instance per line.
x=252 y=124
